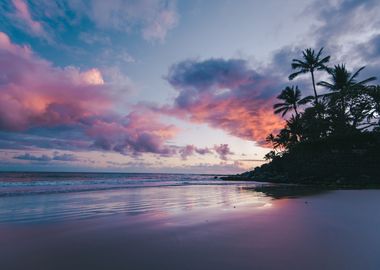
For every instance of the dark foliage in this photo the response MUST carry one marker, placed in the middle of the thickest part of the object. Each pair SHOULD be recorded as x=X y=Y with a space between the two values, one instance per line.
x=340 y=159
x=331 y=138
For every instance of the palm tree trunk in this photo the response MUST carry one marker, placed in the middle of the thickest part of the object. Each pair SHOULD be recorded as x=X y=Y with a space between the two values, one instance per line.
x=315 y=90
x=295 y=110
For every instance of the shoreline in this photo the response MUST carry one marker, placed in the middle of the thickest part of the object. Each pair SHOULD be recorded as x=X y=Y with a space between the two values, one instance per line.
x=311 y=231
x=335 y=185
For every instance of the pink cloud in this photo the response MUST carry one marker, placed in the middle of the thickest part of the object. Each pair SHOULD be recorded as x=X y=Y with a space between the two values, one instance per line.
x=36 y=95
x=225 y=94
x=24 y=16
x=136 y=133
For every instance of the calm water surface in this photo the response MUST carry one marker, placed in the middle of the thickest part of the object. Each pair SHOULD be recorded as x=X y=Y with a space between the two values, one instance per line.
x=162 y=221
x=44 y=197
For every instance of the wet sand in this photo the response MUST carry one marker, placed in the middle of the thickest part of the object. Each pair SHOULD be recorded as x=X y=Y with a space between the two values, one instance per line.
x=192 y=228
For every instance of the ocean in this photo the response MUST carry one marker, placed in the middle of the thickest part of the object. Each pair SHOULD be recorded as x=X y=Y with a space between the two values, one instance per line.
x=27 y=183
x=49 y=196
x=180 y=221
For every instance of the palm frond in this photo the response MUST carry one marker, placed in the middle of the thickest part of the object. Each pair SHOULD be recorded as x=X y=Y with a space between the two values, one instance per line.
x=324 y=60
x=363 y=82
x=356 y=73
x=296 y=74
x=319 y=53
x=284 y=110
x=278 y=105
x=306 y=100
x=326 y=84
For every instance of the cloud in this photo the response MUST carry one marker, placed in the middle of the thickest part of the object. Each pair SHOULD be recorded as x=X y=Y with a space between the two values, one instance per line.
x=349 y=30
x=371 y=49
x=131 y=164
x=23 y=18
x=221 y=168
x=347 y=21
x=120 y=56
x=34 y=93
x=64 y=157
x=47 y=138
x=157 y=28
x=46 y=158
x=136 y=133
x=223 y=150
x=190 y=150
x=60 y=108
x=27 y=156
x=93 y=38
x=153 y=18
x=226 y=94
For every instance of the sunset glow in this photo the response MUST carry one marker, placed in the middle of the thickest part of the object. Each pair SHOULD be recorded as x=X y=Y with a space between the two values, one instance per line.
x=142 y=87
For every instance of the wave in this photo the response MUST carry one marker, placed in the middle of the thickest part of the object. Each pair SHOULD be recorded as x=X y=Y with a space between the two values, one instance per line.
x=17 y=184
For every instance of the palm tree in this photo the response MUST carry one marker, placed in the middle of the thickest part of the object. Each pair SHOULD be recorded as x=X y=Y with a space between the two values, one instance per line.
x=294 y=128
x=291 y=97
x=344 y=88
x=288 y=136
x=310 y=63
x=342 y=79
x=343 y=82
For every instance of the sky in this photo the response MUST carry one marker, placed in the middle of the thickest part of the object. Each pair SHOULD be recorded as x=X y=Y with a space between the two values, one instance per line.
x=161 y=85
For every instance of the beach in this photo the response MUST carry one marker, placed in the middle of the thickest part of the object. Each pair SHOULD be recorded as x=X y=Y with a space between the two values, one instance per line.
x=193 y=225
x=199 y=135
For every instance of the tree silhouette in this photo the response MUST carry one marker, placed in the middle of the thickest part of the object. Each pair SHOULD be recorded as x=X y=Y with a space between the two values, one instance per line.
x=347 y=100
x=332 y=141
x=350 y=106
x=291 y=97
x=310 y=63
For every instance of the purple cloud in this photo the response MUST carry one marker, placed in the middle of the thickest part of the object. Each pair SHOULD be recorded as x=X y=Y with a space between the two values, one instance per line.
x=223 y=150
x=138 y=132
x=23 y=18
x=225 y=94
x=190 y=150
x=33 y=93
x=71 y=107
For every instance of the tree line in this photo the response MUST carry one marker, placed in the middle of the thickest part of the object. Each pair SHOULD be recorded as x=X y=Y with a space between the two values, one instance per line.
x=347 y=106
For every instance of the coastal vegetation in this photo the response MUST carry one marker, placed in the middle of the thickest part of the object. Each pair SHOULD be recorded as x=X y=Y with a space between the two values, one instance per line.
x=329 y=138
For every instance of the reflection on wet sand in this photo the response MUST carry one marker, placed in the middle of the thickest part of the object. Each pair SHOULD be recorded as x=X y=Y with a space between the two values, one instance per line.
x=146 y=200
x=282 y=191
x=207 y=227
